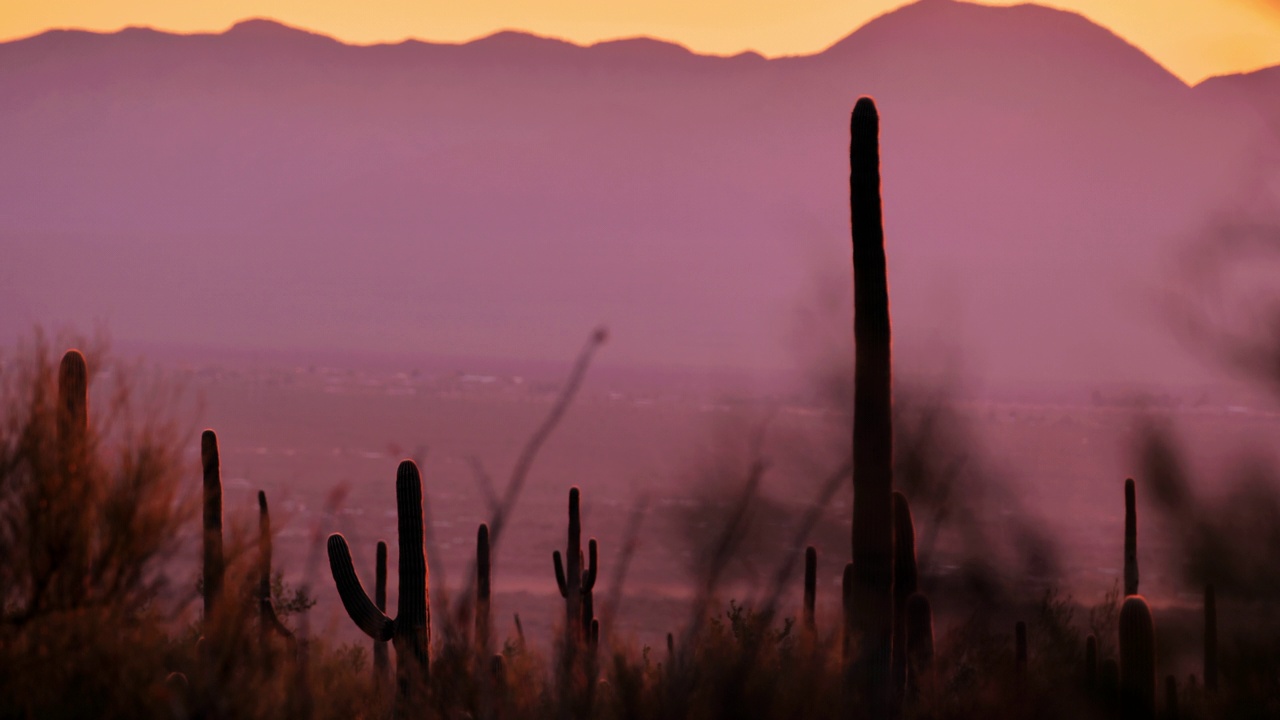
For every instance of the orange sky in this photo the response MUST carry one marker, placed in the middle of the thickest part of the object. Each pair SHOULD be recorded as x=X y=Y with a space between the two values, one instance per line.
x=1193 y=38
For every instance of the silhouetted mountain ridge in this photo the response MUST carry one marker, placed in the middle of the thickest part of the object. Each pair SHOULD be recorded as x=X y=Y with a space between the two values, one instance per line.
x=276 y=187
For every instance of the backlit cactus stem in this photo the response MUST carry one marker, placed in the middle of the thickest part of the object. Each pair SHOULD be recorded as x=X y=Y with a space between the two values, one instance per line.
x=1130 y=539
x=214 y=567
x=410 y=631
x=872 y=425
x=484 y=604
x=381 y=659
x=268 y=621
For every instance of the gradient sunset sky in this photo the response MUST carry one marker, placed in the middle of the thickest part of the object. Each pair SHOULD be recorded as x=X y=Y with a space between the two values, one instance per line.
x=1193 y=38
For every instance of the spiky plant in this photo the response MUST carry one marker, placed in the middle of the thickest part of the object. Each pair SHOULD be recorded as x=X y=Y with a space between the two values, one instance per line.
x=410 y=631
x=1137 y=657
x=872 y=425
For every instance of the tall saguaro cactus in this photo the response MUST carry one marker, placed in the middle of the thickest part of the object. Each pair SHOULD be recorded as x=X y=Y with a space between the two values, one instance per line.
x=214 y=564
x=872 y=425
x=1130 y=539
x=576 y=581
x=410 y=631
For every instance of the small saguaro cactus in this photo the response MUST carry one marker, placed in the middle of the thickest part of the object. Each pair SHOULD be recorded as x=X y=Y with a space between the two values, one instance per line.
x=1130 y=539
x=872 y=423
x=576 y=581
x=1137 y=657
x=268 y=621
x=410 y=631
x=214 y=564
x=1210 y=639
x=73 y=407
x=810 y=587
x=484 y=612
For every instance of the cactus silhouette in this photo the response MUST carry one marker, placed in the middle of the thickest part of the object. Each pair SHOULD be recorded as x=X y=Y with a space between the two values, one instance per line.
x=905 y=582
x=919 y=643
x=214 y=564
x=1137 y=657
x=73 y=408
x=410 y=631
x=810 y=587
x=1210 y=639
x=872 y=425
x=268 y=621
x=381 y=660
x=484 y=612
x=1130 y=539
x=576 y=581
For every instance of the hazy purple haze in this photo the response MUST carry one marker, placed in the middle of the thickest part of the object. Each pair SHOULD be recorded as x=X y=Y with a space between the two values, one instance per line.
x=268 y=188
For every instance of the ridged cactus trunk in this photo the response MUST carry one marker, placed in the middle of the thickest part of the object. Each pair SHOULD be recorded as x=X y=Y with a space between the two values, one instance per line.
x=1137 y=658
x=410 y=631
x=905 y=583
x=810 y=589
x=484 y=604
x=1130 y=539
x=872 y=425
x=214 y=566
x=575 y=578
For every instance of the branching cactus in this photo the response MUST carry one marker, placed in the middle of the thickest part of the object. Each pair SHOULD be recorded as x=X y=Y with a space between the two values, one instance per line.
x=576 y=581
x=1130 y=539
x=484 y=612
x=268 y=621
x=214 y=564
x=410 y=631
x=810 y=588
x=1137 y=657
x=872 y=426
x=905 y=583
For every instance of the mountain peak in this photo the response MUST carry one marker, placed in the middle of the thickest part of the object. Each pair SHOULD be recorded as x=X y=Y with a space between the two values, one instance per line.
x=267 y=29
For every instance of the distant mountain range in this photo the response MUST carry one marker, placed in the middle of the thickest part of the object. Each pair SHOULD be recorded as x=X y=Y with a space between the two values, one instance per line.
x=269 y=187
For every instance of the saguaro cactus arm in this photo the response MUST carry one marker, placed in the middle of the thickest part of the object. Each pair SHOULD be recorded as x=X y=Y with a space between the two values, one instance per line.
x=1130 y=539
x=364 y=613
x=589 y=573
x=213 y=560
